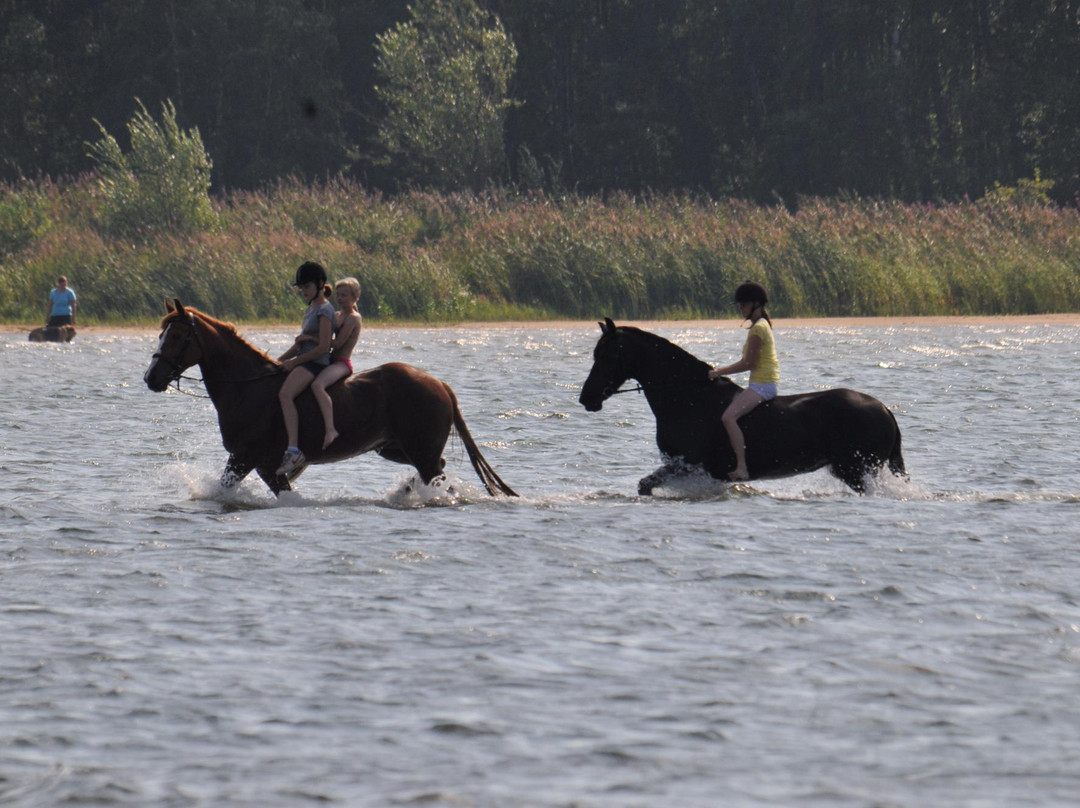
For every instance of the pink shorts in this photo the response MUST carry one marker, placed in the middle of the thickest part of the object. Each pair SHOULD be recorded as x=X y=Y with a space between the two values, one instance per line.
x=346 y=362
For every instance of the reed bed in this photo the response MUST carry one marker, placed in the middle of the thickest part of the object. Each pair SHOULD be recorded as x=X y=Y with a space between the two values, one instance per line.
x=500 y=255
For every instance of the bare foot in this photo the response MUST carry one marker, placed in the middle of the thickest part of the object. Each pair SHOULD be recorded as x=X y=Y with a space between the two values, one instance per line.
x=739 y=474
x=331 y=436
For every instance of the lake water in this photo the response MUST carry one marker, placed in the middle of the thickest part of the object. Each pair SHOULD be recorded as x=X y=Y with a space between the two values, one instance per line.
x=783 y=644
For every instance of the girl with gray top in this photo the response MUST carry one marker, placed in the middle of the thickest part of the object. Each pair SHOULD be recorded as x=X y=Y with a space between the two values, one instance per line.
x=308 y=356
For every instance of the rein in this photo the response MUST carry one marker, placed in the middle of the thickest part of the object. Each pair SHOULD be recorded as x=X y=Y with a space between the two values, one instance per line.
x=245 y=381
x=188 y=392
x=640 y=389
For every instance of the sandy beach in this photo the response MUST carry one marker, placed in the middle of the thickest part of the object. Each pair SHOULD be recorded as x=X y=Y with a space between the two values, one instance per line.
x=1071 y=319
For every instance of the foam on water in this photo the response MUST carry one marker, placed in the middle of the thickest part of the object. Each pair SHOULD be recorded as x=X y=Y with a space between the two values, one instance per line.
x=199 y=483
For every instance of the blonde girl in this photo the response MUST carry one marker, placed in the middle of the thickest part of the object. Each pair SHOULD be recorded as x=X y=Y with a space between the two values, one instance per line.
x=347 y=324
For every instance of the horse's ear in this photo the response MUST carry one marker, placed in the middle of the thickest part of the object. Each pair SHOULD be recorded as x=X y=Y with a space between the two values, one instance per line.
x=608 y=325
x=169 y=308
x=179 y=305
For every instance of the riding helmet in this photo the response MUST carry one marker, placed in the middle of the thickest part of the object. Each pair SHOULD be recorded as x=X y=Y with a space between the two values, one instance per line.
x=310 y=272
x=751 y=292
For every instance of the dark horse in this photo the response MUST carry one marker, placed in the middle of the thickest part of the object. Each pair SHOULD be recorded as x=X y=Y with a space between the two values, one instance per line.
x=397 y=410
x=851 y=433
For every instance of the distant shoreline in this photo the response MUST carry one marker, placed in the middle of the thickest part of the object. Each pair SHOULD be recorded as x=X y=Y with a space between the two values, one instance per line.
x=1068 y=319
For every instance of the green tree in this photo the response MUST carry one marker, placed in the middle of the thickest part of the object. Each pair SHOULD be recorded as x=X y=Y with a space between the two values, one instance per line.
x=162 y=184
x=261 y=79
x=444 y=77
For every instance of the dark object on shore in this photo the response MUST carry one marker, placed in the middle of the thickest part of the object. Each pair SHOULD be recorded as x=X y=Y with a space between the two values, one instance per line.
x=53 y=333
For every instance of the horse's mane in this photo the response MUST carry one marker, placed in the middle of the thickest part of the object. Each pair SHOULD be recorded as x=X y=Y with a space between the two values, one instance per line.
x=227 y=330
x=681 y=361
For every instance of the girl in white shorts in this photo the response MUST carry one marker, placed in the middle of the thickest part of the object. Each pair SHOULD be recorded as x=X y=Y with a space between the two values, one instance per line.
x=758 y=357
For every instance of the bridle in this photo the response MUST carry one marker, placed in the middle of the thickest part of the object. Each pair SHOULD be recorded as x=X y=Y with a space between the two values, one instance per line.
x=176 y=372
x=619 y=368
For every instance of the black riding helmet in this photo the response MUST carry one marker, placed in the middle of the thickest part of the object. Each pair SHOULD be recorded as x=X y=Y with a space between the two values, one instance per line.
x=310 y=272
x=751 y=292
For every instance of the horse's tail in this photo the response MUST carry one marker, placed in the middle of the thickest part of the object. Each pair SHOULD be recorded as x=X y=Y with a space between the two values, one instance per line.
x=896 y=459
x=492 y=481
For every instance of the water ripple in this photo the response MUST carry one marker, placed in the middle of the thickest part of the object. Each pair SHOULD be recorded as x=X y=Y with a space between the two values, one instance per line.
x=368 y=641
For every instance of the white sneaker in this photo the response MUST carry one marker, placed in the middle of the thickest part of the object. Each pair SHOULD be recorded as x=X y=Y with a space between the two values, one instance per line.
x=291 y=462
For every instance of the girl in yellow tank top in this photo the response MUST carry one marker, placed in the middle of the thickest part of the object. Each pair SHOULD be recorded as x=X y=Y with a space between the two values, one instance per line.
x=758 y=357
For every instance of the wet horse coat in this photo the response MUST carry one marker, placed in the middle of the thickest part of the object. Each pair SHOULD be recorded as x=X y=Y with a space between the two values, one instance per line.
x=396 y=410
x=850 y=433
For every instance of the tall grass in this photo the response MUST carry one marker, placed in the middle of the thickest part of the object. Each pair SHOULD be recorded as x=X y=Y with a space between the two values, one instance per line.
x=442 y=258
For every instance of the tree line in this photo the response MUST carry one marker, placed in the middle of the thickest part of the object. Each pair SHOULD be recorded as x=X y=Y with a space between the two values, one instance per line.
x=759 y=99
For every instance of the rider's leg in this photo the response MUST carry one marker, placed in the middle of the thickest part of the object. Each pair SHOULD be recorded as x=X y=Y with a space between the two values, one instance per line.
x=295 y=382
x=744 y=401
x=333 y=372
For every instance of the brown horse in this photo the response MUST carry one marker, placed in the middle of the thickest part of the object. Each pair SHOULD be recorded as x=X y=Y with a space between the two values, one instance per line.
x=53 y=333
x=397 y=410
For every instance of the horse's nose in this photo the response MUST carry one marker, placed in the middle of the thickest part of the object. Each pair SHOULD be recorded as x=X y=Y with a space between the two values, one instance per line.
x=591 y=404
x=152 y=381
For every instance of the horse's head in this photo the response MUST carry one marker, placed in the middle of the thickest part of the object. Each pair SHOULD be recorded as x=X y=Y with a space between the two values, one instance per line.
x=661 y=367
x=178 y=348
x=608 y=370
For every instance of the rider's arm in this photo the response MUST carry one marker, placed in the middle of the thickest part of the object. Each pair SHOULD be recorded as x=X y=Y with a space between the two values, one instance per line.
x=326 y=333
x=291 y=352
x=748 y=362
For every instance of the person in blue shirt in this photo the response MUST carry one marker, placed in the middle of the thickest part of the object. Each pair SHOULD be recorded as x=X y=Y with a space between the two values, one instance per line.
x=62 y=306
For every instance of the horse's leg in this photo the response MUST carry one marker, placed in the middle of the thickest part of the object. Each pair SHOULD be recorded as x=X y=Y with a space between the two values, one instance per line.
x=235 y=472
x=274 y=481
x=431 y=470
x=852 y=472
x=646 y=484
x=429 y=465
x=394 y=453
